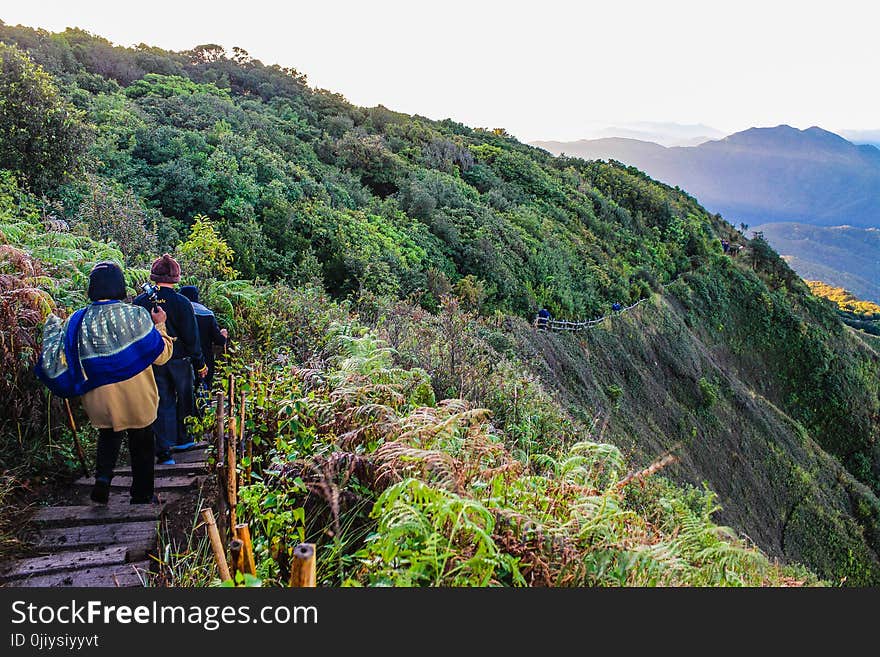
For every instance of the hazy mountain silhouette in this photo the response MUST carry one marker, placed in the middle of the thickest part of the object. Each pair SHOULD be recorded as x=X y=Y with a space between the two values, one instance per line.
x=760 y=175
x=665 y=134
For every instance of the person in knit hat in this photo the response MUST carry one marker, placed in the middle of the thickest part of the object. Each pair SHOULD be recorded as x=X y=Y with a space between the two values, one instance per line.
x=175 y=378
x=115 y=345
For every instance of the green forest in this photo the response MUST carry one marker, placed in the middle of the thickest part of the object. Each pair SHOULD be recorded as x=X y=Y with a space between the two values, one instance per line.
x=379 y=273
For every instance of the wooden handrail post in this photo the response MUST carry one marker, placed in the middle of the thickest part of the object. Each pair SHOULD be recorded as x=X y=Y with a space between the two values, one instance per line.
x=302 y=567
x=231 y=475
x=220 y=443
x=235 y=549
x=219 y=433
x=243 y=533
x=216 y=544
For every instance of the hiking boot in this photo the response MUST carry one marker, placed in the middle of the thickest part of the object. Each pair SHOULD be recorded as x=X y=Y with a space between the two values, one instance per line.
x=145 y=500
x=100 y=492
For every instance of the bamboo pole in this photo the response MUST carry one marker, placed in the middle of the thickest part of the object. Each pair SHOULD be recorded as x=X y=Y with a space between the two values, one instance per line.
x=302 y=567
x=279 y=552
x=77 y=445
x=219 y=432
x=250 y=461
x=231 y=475
x=216 y=543
x=243 y=533
x=220 y=439
x=241 y=428
x=235 y=546
x=231 y=395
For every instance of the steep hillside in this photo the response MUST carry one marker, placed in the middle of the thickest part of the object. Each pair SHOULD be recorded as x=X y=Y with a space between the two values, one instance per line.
x=443 y=240
x=761 y=175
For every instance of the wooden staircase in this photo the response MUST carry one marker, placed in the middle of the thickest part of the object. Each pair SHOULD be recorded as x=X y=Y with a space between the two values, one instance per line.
x=85 y=544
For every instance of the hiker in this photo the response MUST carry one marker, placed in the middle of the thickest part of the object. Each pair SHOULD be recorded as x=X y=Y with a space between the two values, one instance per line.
x=175 y=379
x=113 y=345
x=210 y=333
x=542 y=321
x=616 y=307
x=725 y=246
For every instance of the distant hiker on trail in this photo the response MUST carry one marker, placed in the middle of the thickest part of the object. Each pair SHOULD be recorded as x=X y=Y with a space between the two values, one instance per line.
x=210 y=333
x=616 y=307
x=542 y=321
x=112 y=346
x=175 y=378
x=725 y=246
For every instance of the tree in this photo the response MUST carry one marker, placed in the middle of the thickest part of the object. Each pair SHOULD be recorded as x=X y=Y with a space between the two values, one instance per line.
x=205 y=254
x=42 y=137
x=206 y=53
x=118 y=215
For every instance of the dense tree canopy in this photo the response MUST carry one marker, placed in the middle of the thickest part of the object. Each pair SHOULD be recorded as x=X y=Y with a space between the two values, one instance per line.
x=41 y=134
x=291 y=175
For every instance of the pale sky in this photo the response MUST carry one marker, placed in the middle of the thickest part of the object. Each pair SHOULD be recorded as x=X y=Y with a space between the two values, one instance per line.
x=543 y=69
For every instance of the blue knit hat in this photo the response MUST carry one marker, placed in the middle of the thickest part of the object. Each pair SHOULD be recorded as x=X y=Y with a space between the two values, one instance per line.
x=191 y=292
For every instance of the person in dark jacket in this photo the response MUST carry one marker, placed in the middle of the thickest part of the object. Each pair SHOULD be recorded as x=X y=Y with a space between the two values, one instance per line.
x=210 y=332
x=175 y=378
x=542 y=321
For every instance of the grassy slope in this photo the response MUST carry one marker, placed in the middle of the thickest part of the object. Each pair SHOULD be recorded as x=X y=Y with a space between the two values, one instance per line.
x=775 y=482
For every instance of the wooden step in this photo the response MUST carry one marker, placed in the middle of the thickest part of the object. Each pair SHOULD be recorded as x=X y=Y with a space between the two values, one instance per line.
x=54 y=563
x=120 y=497
x=160 y=483
x=139 y=537
x=188 y=468
x=124 y=575
x=95 y=514
x=201 y=444
x=192 y=456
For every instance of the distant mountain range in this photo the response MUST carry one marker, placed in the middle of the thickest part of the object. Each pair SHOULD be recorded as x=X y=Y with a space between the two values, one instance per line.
x=760 y=175
x=665 y=134
x=842 y=256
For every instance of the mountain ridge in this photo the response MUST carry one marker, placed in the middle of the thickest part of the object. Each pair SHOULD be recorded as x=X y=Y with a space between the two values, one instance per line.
x=761 y=175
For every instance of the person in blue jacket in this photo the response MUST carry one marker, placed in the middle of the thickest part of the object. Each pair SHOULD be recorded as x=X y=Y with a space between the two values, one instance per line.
x=543 y=318
x=210 y=333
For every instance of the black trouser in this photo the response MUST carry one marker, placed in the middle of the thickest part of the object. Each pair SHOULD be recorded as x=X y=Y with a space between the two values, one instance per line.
x=174 y=380
x=140 y=447
x=209 y=379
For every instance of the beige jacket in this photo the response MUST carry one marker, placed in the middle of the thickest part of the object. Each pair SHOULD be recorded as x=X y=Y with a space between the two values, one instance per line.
x=129 y=404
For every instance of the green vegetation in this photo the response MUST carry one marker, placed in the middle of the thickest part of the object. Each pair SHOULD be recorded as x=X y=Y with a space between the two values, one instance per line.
x=378 y=272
